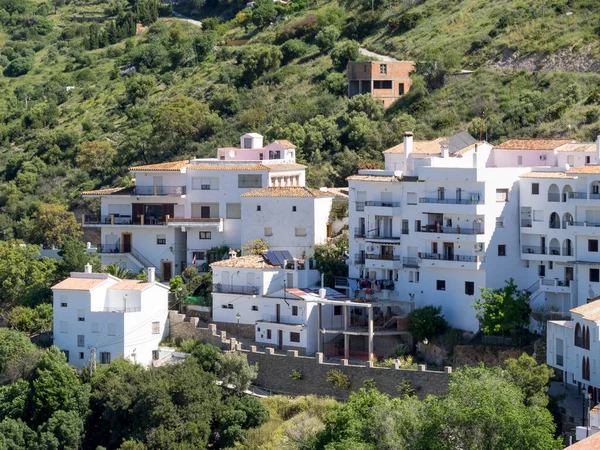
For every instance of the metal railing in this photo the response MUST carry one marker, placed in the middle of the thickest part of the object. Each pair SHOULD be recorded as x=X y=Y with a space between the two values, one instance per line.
x=382 y=236
x=526 y=222
x=359 y=259
x=585 y=224
x=295 y=320
x=578 y=195
x=234 y=289
x=594 y=196
x=118 y=309
x=359 y=232
x=450 y=230
x=173 y=191
x=110 y=248
x=429 y=256
x=554 y=197
x=532 y=249
x=452 y=201
x=567 y=251
x=457 y=258
x=384 y=204
x=410 y=261
x=123 y=220
x=554 y=251
x=383 y=257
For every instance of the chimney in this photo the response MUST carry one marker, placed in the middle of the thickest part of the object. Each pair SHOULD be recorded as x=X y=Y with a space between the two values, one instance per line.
x=408 y=144
x=87 y=268
x=151 y=277
x=598 y=149
x=445 y=150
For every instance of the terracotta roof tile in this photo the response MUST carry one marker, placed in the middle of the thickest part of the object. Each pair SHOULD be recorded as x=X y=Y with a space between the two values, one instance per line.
x=130 y=285
x=382 y=179
x=246 y=262
x=285 y=167
x=562 y=175
x=288 y=191
x=174 y=166
x=420 y=147
x=587 y=308
x=79 y=284
x=532 y=144
x=284 y=143
x=587 y=147
x=228 y=166
x=107 y=191
x=589 y=170
x=590 y=443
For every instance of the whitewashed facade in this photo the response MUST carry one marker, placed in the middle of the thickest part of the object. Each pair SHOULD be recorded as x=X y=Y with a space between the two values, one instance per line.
x=98 y=314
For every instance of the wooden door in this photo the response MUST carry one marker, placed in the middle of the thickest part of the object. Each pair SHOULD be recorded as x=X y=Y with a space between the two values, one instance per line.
x=126 y=242
x=167 y=270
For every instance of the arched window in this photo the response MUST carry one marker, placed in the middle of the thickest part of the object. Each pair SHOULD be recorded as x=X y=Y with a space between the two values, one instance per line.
x=554 y=220
x=587 y=368
x=554 y=247
x=567 y=220
x=587 y=338
x=578 y=337
x=567 y=249
x=565 y=192
x=553 y=193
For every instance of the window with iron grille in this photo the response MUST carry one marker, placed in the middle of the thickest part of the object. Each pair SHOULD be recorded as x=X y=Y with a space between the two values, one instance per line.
x=205 y=235
x=80 y=340
x=294 y=337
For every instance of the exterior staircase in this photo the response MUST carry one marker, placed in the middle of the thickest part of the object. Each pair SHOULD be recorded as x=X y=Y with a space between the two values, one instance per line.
x=143 y=262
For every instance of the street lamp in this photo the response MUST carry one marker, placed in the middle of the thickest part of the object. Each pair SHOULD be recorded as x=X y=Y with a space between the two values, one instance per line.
x=238 y=317
x=425 y=341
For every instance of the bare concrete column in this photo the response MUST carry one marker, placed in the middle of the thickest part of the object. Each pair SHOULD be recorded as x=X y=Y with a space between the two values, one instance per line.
x=370 y=333
x=320 y=325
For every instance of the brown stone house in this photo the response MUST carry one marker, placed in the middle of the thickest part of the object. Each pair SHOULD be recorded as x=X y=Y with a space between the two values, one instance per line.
x=387 y=80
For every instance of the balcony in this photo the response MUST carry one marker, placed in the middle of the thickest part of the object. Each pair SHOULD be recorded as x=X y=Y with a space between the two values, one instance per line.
x=360 y=206
x=578 y=195
x=450 y=230
x=286 y=320
x=382 y=237
x=526 y=223
x=117 y=309
x=554 y=197
x=110 y=248
x=381 y=257
x=594 y=196
x=383 y=208
x=234 y=289
x=472 y=200
x=359 y=233
x=410 y=262
x=456 y=258
x=159 y=191
x=533 y=250
x=383 y=204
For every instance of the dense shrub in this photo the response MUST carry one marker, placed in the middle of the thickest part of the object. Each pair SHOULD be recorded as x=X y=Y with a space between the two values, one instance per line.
x=18 y=67
x=292 y=49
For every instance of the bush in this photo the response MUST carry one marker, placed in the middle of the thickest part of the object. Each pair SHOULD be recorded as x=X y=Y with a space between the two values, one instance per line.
x=405 y=21
x=292 y=49
x=18 y=67
x=344 y=52
x=296 y=374
x=327 y=37
x=426 y=322
x=339 y=379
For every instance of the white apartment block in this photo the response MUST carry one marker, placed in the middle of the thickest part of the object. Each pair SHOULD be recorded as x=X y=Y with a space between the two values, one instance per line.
x=100 y=317
x=449 y=216
x=179 y=210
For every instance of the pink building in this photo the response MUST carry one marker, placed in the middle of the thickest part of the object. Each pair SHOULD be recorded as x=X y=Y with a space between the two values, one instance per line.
x=251 y=149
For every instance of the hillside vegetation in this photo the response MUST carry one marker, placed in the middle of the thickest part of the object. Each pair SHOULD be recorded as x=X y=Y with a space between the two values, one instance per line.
x=74 y=115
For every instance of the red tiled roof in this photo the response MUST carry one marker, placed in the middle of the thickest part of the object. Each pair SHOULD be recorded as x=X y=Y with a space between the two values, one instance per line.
x=589 y=170
x=130 y=285
x=79 y=284
x=287 y=191
x=107 y=191
x=174 y=166
x=590 y=443
x=532 y=144
x=284 y=143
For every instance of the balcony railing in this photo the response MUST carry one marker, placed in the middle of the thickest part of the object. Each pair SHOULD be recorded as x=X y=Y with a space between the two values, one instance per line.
x=532 y=249
x=567 y=251
x=383 y=257
x=554 y=197
x=452 y=201
x=555 y=282
x=526 y=223
x=360 y=206
x=234 y=289
x=163 y=191
x=384 y=204
x=578 y=195
x=594 y=196
x=450 y=230
x=376 y=235
x=458 y=258
x=554 y=251
x=585 y=224
x=409 y=261
x=559 y=360
x=294 y=320
x=109 y=248
x=118 y=309
x=359 y=259
x=359 y=232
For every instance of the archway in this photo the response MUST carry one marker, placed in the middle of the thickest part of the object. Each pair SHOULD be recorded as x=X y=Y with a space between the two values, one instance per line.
x=553 y=193
x=554 y=221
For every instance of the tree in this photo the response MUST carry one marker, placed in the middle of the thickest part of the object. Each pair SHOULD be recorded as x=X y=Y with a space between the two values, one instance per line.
x=138 y=87
x=327 y=37
x=120 y=272
x=368 y=104
x=95 y=155
x=18 y=358
x=532 y=378
x=75 y=256
x=233 y=368
x=242 y=20
x=426 y=322
x=256 y=247
x=500 y=310
x=292 y=49
x=51 y=224
x=263 y=13
x=31 y=320
x=257 y=60
x=330 y=260
x=18 y=67
x=344 y=52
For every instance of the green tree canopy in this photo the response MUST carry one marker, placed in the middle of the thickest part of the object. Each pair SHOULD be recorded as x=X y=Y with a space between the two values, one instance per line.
x=500 y=310
x=426 y=322
x=52 y=224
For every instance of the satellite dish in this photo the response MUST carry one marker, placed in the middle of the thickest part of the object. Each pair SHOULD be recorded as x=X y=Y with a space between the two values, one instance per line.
x=232 y=153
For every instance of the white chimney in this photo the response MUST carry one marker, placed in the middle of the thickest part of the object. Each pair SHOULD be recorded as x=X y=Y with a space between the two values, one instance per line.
x=87 y=268
x=445 y=150
x=322 y=293
x=408 y=144
x=475 y=159
x=151 y=274
x=598 y=149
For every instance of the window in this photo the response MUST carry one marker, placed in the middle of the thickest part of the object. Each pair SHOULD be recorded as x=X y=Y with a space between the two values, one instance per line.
x=112 y=329
x=230 y=306
x=205 y=235
x=268 y=231
x=250 y=181
x=268 y=334
x=469 y=288
x=592 y=245
x=64 y=326
x=81 y=315
x=294 y=209
x=161 y=239
x=588 y=159
x=404 y=226
x=535 y=189
x=337 y=310
x=542 y=270
x=594 y=275
x=81 y=355
x=155 y=327
x=417 y=225
x=502 y=250
x=254 y=308
x=300 y=232
x=383 y=84
x=383 y=69
x=294 y=310
x=233 y=211
x=80 y=340
x=411 y=198
x=501 y=195
x=261 y=156
x=155 y=354
x=66 y=353
x=258 y=208
x=519 y=160
x=294 y=337
x=550 y=265
x=94 y=327
x=198 y=256
x=104 y=357
x=205 y=184
x=441 y=285
x=417 y=277
x=499 y=222
x=63 y=305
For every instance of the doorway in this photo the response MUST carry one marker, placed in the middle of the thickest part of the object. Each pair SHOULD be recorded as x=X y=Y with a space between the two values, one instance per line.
x=568 y=275
x=167 y=270
x=278 y=313
x=125 y=242
x=280 y=339
x=449 y=251
x=205 y=212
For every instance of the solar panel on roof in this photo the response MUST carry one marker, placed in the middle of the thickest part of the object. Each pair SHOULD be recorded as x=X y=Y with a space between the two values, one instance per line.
x=287 y=255
x=273 y=258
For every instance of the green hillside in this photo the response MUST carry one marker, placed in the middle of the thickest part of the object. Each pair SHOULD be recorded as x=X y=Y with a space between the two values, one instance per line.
x=71 y=119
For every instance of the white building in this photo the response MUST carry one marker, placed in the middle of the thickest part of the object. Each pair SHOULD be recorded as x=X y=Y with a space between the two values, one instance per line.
x=444 y=219
x=98 y=316
x=179 y=210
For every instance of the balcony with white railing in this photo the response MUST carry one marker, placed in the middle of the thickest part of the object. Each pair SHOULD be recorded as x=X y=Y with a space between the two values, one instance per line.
x=450 y=260
x=381 y=208
x=283 y=319
x=235 y=289
x=383 y=261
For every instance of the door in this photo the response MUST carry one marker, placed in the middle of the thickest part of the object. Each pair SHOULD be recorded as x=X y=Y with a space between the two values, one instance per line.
x=543 y=244
x=401 y=89
x=448 y=251
x=458 y=195
x=568 y=275
x=167 y=270
x=280 y=339
x=126 y=242
x=205 y=212
x=278 y=313
x=290 y=280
